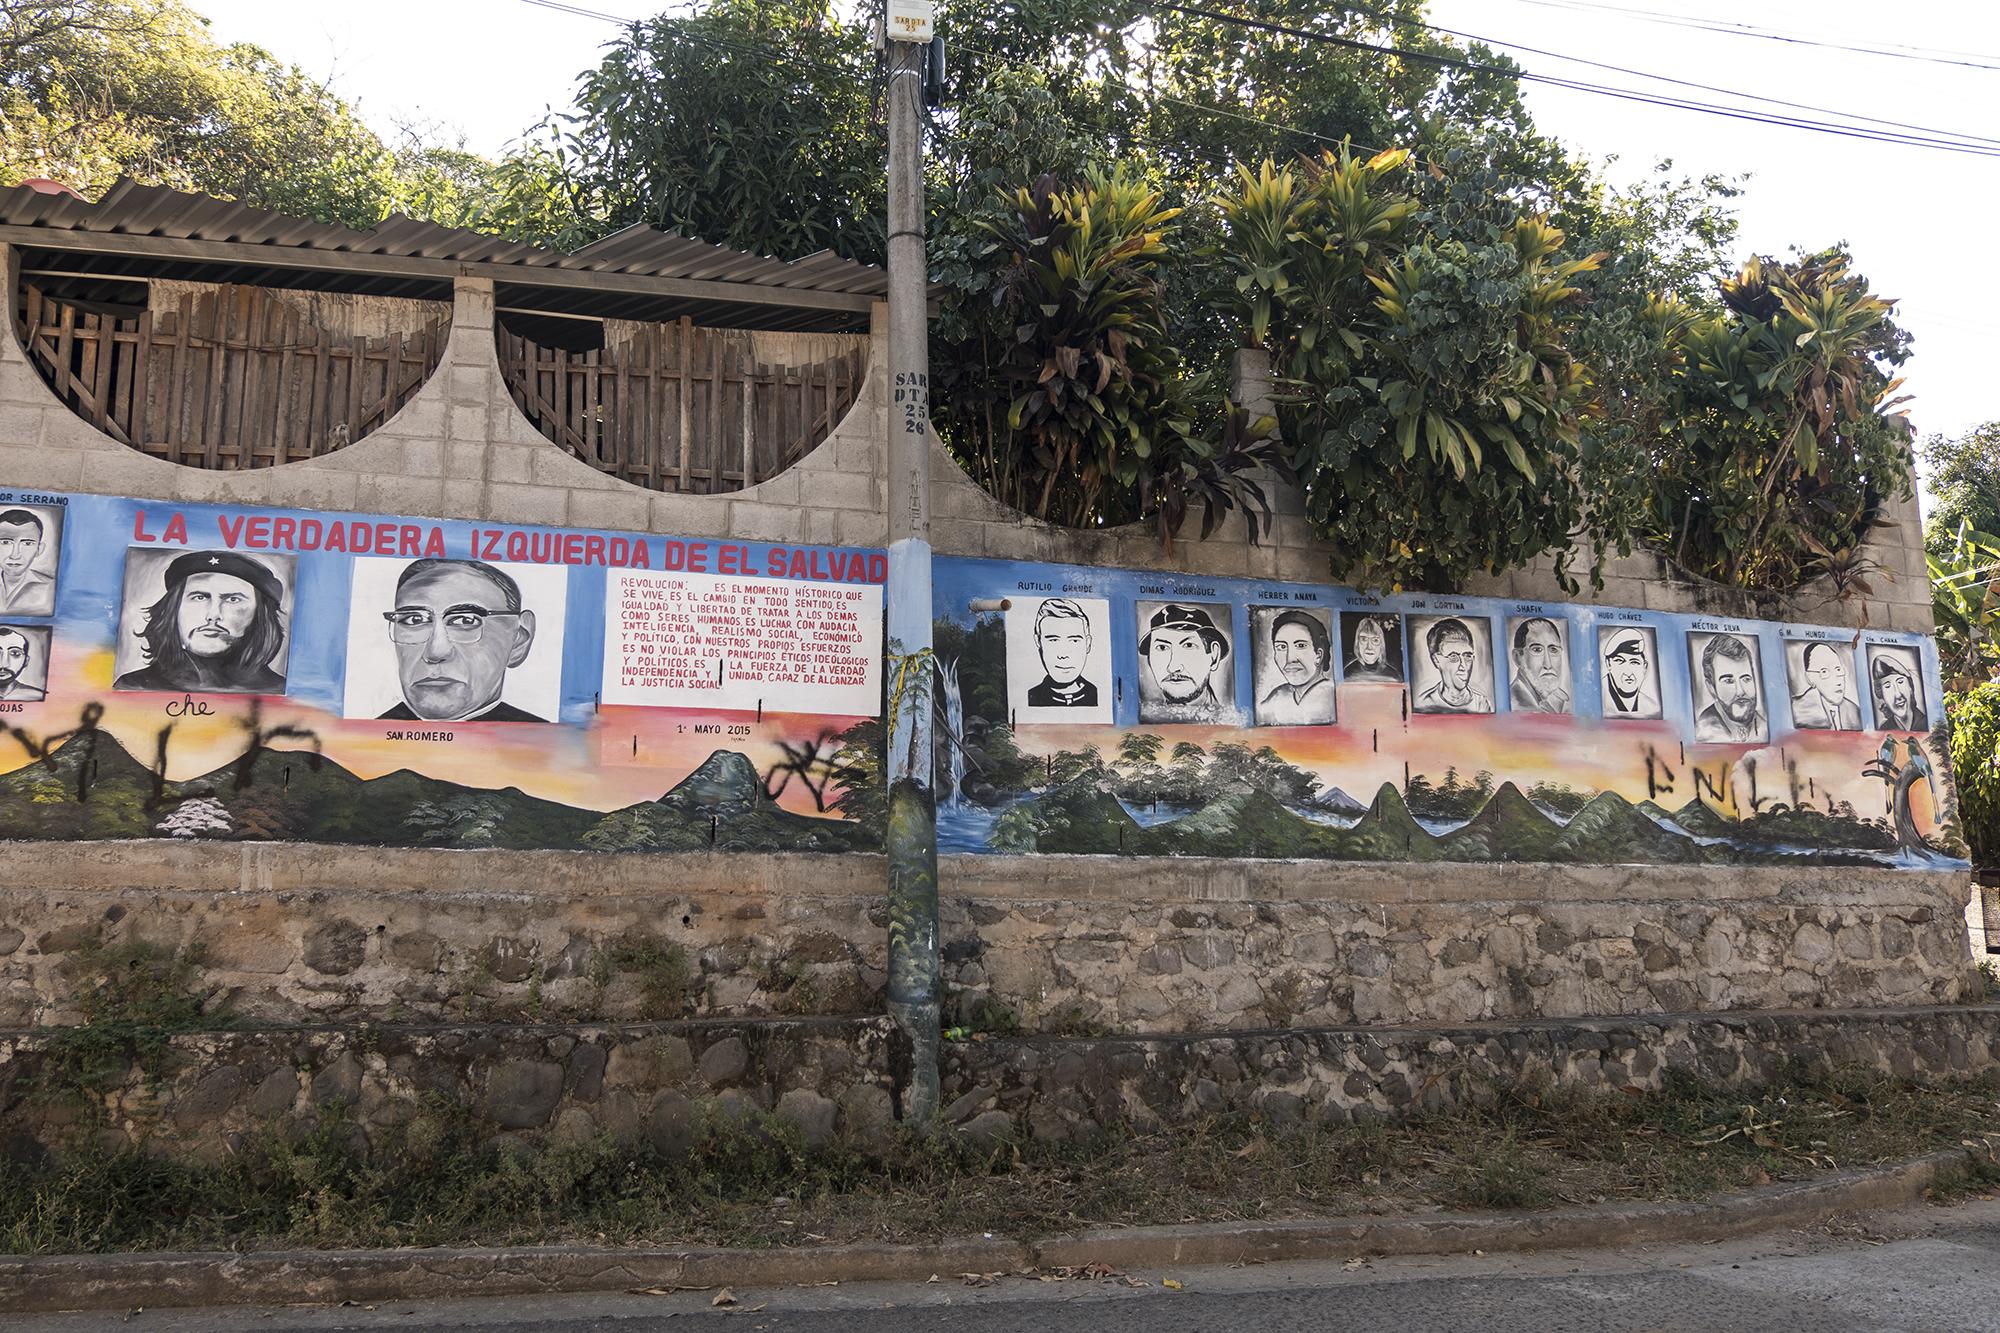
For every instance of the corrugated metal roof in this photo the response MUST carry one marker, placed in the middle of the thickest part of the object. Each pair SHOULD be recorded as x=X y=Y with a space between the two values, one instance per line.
x=129 y=209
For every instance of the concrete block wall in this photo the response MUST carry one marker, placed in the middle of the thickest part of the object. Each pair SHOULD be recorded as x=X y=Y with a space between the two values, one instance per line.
x=460 y=448
x=968 y=521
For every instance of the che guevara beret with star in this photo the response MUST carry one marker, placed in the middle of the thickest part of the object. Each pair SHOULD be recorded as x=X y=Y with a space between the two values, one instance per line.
x=253 y=572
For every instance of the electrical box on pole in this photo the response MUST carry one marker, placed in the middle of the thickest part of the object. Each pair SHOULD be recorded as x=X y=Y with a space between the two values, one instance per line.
x=910 y=20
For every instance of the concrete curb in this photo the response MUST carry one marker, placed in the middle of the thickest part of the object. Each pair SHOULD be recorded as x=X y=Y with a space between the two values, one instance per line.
x=121 y=1281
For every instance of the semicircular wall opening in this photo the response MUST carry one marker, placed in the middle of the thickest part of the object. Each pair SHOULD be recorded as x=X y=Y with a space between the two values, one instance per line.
x=227 y=376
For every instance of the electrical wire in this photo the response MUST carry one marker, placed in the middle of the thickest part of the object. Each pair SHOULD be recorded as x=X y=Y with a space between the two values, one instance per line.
x=1577 y=85
x=1729 y=28
x=1687 y=83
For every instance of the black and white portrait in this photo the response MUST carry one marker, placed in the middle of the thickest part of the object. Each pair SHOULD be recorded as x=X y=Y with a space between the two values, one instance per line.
x=1726 y=685
x=1371 y=647
x=1629 y=672
x=1896 y=683
x=204 y=622
x=1059 y=659
x=1538 y=664
x=1452 y=664
x=1821 y=680
x=24 y=663
x=1185 y=671
x=1291 y=652
x=30 y=546
x=455 y=641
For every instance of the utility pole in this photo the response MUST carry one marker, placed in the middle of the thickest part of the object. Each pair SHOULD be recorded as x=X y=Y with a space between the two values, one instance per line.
x=912 y=823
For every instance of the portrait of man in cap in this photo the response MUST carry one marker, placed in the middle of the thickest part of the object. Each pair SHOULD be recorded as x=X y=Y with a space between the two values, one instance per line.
x=24 y=663
x=1538 y=665
x=1822 y=689
x=1182 y=656
x=217 y=625
x=1629 y=671
x=28 y=541
x=1292 y=652
x=1897 y=683
x=1728 y=690
x=1058 y=659
x=1372 y=647
x=1454 y=666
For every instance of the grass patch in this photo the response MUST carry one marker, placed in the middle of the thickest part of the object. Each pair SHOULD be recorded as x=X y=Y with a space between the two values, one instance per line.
x=440 y=1179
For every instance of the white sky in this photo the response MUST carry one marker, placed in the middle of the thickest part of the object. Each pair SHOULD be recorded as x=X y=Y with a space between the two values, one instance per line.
x=1917 y=220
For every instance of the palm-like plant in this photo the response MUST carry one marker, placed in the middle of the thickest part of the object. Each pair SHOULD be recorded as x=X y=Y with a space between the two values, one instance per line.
x=1965 y=601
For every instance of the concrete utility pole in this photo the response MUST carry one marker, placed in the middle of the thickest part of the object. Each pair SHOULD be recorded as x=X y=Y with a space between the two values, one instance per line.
x=912 y=822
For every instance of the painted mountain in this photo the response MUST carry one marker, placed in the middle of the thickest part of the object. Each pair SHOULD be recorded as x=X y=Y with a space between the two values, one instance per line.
x=92 y=787
x=721 y=806
x=1084 y=816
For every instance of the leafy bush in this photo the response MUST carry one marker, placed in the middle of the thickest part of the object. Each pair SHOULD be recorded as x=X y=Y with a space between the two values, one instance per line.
x=1417 y=329
x=1965 y=601
x=1775 y=440
x=1975 y=766
x=1087 y=413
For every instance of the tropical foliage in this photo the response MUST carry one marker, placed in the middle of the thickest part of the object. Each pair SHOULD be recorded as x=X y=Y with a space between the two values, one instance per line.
x=1965 y=602
x=1087 y=412
x=1776 y=437
x=1964 y=477
x=1417 y=330
x=1975 y=766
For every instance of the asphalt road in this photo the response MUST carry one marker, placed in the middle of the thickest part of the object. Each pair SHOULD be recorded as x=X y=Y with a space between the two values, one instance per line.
x=1923 y=1269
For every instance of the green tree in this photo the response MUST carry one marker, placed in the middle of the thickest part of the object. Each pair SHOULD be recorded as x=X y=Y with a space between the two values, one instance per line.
x=1778 y=436
x=750 y=123
x=1975 y=766
x=138 y=88
x=1964 y=475
x=1417 y=329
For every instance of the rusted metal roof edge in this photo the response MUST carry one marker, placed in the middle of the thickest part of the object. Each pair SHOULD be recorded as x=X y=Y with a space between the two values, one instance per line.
x=309 y=258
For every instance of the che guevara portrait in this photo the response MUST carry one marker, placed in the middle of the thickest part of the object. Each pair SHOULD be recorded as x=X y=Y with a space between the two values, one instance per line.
x=1059 y=659
x=204 y=622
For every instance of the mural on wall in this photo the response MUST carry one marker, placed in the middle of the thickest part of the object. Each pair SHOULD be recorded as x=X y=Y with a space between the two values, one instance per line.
x=1235 y=717
x=206 y=671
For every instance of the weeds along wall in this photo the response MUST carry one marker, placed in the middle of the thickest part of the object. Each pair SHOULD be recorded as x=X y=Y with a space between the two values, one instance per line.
x=449 y=720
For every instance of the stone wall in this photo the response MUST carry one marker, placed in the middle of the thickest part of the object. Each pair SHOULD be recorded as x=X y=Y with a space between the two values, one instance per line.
x=661 y=1084
x=1048 y=943
x=1057 y=1088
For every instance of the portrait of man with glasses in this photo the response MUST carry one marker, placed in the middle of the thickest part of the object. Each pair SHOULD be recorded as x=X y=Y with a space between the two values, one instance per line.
x=457 y=627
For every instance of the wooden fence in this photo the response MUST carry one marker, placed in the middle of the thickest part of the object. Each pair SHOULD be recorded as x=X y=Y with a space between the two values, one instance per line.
x=230 y=377
x=676 y=407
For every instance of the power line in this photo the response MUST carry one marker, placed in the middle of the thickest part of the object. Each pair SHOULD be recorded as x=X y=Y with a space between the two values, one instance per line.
x=1577 y=85
x=1703 y=87
x=1729 y=28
